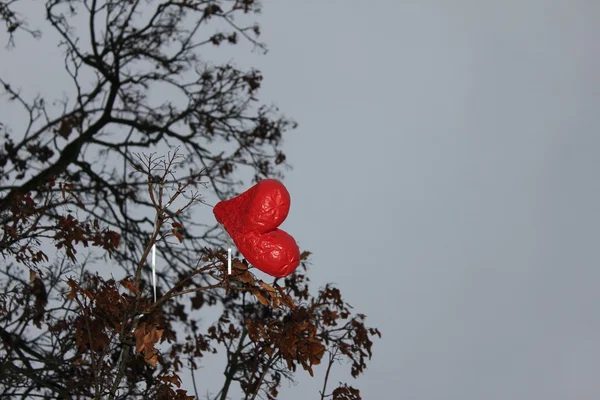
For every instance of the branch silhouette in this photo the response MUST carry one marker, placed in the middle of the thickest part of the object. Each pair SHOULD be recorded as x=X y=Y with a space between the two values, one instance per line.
x=86 y=191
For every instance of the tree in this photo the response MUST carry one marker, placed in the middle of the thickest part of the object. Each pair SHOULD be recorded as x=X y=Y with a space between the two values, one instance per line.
x=84 y=178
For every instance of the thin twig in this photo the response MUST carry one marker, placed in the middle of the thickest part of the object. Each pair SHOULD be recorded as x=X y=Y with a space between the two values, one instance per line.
x=331 y=360
x=175 y=294
x=264 y=373
x=232 y=365
x=122 y=361
x=194 y=378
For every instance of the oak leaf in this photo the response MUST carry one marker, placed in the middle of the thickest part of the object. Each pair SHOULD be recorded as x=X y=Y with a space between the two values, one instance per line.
x=146 y=337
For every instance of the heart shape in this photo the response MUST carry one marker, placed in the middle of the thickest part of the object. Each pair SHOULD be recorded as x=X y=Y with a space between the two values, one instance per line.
x=252 y=221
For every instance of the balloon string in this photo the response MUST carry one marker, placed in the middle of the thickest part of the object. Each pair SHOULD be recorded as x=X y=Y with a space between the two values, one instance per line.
x=154 y=256
x=154 y=269
x=229 y=260
x=229 y=246
x=154 y=260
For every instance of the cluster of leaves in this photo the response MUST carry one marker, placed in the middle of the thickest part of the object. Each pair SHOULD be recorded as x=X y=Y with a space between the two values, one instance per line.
x=24 y=224
x=73 y=179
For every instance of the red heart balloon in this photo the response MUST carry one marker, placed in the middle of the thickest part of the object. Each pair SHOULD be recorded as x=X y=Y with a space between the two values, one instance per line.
x=252 y=218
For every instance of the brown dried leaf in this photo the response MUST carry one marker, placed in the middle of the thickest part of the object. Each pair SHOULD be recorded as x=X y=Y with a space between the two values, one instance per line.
x=146 y=337
x=87 y=293
x=253 y=333
x=238 y=265
x=286 y=299
x=275 y=300
x=73 y=293
x=309 y=369
x=38 y=289
x=172 y=379
x=177 y=234
x=151 y=357
x=181 y=394
x=268 y=287
x=246 y=277
x=176 y=225
x=346 y=392
x=129 y=285
x=260 y=297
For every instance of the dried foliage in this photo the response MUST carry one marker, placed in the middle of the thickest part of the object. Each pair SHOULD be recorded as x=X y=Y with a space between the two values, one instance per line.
x=84 y=198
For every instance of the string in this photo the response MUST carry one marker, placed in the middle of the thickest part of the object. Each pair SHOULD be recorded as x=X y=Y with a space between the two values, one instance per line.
x=154 y=254
x=229 y=246
x=154 y=269
x=154 y=257
x=229 y=260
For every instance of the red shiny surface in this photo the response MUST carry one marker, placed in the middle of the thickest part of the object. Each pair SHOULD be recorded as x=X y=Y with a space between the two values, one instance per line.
x=252 y=221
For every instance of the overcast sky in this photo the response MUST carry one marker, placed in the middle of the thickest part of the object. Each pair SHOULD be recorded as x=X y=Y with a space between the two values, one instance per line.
x=445 y=178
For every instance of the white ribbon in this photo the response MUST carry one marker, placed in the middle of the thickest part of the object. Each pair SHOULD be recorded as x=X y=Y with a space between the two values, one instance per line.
x=229 y=260
x=154 y=269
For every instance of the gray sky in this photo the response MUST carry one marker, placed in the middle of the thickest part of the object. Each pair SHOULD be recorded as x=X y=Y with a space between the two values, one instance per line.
x=445 y=179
